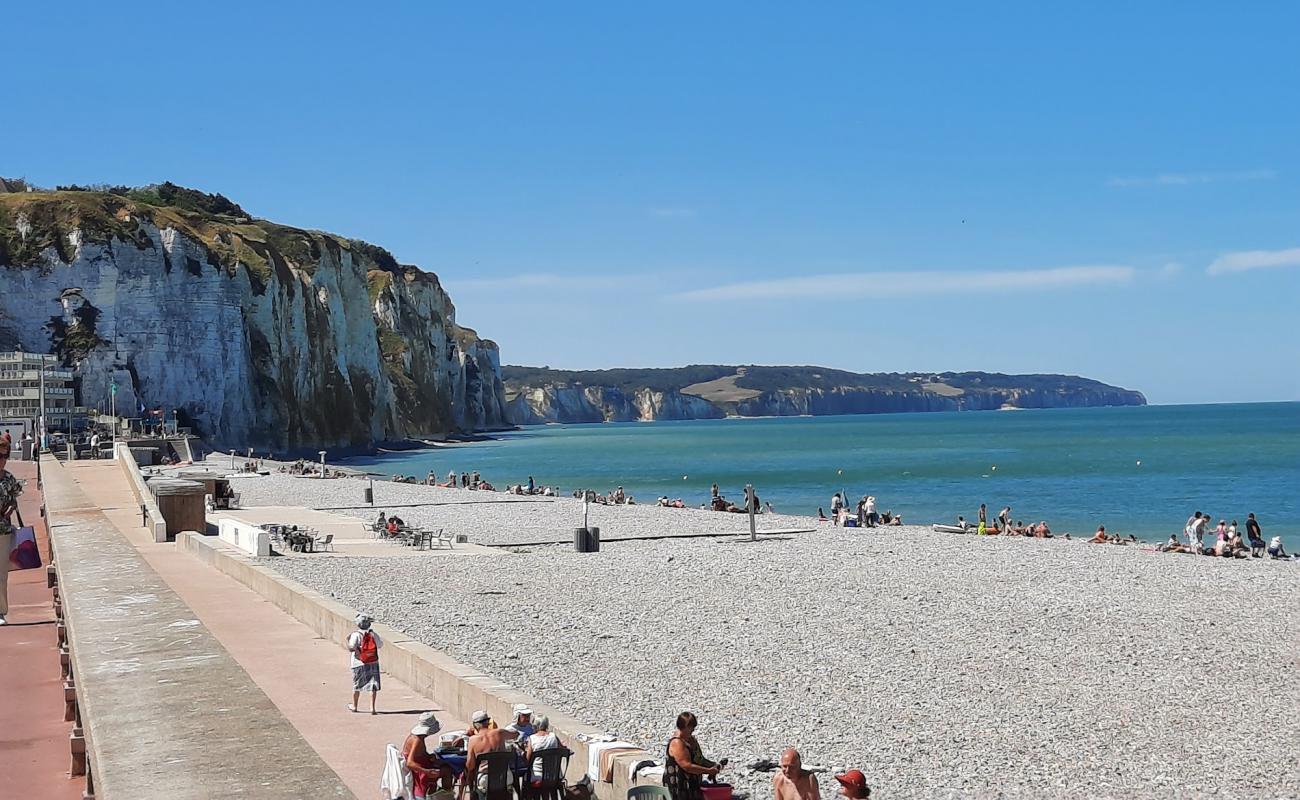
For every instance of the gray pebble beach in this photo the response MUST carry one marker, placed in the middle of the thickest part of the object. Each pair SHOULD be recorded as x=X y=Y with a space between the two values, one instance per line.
x=941 y=665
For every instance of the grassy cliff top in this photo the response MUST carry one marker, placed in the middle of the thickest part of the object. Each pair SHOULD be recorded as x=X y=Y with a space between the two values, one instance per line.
x=33 y=221
x=709 y=380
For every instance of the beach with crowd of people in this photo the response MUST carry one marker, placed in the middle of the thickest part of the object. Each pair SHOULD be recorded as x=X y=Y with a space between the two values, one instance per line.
x=936 y=663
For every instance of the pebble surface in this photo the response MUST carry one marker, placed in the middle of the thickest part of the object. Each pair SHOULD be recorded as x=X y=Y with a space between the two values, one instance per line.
x=940 y=665
x=497 y=517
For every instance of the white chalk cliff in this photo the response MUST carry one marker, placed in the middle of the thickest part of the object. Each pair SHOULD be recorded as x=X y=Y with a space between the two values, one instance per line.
x=261 y=335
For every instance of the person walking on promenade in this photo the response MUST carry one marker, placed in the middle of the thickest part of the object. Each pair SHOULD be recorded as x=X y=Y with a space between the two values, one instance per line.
x=10 y=488
x=363 y=651
x=792 y=781
x=686 y=763
x=853 y=785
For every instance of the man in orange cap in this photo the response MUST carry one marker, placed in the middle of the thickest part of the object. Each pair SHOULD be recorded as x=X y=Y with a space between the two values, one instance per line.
x=853 y=784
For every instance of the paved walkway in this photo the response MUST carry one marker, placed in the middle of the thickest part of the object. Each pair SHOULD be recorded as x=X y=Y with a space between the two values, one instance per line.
x=306 y=677
x=34 y=755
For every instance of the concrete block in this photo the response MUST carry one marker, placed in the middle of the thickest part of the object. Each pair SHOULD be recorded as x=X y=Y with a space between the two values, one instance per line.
x=69 y=701
x=77 y=745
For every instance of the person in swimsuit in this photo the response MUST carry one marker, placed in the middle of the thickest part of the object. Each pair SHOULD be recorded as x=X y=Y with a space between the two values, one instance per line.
x=686 y=764
x=427 y=770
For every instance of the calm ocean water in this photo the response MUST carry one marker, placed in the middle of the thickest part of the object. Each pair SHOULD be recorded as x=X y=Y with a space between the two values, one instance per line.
x=1139 y=470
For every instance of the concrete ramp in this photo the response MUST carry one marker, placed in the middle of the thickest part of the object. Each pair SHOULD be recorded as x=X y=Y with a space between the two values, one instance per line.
x=166 y=711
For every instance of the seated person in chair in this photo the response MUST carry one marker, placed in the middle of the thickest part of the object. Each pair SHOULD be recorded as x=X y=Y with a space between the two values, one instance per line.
x=484 y=740
x=542 y=739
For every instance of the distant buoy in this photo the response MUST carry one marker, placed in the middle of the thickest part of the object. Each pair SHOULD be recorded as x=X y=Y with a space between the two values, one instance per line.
x=839 y=472
x=684 y=477
x=994 y=468
x=1139 y=462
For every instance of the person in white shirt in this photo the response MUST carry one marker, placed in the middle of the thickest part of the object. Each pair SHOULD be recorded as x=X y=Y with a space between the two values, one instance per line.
x=542 y=739
x=363 y=653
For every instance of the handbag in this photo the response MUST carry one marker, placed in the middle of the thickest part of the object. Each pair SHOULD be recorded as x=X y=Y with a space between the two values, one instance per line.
x=25 y=554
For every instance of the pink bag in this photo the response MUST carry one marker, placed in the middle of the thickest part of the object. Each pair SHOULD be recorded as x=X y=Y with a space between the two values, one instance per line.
x=25 y=554
x=716 y=791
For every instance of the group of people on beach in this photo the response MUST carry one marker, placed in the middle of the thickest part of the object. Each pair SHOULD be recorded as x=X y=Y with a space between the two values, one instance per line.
x=311 y=469
x=687 y=771
x=1228 y=541
x=614 y=497
x=461 y=758
x=718 y=502
x=1003 y=525
x=864 y=516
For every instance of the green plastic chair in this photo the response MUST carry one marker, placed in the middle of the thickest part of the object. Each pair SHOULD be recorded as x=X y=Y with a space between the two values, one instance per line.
x=648 y=793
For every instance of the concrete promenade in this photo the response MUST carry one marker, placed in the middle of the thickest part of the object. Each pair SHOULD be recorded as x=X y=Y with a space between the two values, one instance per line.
x=34 y=751
x=305 y=677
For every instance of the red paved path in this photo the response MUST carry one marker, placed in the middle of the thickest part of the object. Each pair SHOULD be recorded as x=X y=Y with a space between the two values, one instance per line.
x=307 y=677
x=34 y=755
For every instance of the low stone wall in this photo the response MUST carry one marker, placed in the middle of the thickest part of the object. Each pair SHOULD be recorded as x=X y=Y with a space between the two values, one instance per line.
x=459 y=688
x=153 y=516
x=248 y=538
x=150 y=688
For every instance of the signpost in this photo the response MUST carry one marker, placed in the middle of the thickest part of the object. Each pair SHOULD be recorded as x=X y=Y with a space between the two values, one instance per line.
x=749 y=506
x=112 y=395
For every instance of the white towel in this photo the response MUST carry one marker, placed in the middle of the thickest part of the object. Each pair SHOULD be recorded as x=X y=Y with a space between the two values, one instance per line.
x=396 y=782
x=593 y=756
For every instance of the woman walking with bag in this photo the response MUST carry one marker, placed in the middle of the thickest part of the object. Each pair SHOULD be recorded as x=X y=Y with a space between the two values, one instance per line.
x=363 y=649
x=10 y=488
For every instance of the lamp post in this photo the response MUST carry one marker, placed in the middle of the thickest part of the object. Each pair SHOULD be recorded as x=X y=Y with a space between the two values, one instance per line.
x=41 y=440
x=322 y=463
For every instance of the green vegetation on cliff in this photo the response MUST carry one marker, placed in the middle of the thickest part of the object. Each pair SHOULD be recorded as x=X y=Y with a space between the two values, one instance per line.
x=33 y=223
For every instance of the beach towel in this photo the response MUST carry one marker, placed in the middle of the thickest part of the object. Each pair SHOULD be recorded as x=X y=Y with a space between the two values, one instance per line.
x=395 y=782
x=594 y=749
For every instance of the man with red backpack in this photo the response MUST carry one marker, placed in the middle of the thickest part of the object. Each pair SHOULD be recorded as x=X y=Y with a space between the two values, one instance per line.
x=363 y=648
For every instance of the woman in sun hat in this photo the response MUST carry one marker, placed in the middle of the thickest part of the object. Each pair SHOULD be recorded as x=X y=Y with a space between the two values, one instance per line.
x=363 y=651
x=427 y=770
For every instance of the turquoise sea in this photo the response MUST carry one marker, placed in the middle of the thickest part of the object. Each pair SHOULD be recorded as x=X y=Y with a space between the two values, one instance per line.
x=1139 y=470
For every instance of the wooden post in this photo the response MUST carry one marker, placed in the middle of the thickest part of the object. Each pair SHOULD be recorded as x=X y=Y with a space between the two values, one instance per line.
x=749 y=506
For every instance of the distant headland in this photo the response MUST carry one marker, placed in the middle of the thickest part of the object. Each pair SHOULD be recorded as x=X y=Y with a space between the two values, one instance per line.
x=537 y=395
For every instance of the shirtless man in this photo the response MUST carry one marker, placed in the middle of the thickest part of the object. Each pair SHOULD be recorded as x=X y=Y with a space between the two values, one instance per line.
x=484 y=740
x=792 y=782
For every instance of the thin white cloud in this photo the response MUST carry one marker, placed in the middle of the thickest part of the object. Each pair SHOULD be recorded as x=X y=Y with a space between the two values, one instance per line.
x=1192 y=178
x=540 y=282
x=1171 y=270
x=1254 y=259
x=669 y=212
x=898 y=284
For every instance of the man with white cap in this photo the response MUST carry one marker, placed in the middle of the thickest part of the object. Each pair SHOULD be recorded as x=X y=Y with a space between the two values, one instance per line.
x=426 y=769
x=483 y=740
x=522 y=724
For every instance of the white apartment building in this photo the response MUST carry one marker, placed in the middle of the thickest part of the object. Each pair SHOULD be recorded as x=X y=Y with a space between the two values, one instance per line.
x=20 y=391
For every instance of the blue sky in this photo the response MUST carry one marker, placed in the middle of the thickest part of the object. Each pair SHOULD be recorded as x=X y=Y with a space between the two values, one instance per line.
x=1112 y=191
